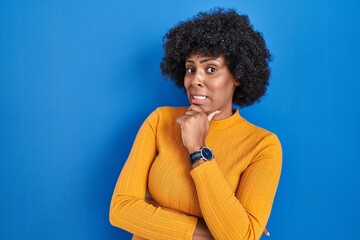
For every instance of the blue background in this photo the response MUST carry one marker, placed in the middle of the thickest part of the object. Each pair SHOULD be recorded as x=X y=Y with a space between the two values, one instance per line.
x=77 y=78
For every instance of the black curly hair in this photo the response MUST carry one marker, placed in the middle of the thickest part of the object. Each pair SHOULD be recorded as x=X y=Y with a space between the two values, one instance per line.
x=220 y=32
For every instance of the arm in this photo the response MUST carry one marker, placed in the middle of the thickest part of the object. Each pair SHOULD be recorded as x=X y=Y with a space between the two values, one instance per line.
x=229 y=215
x=129 y=210
x=242 y=215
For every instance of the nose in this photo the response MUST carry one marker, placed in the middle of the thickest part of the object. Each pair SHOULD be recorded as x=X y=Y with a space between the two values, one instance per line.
x=198 y=79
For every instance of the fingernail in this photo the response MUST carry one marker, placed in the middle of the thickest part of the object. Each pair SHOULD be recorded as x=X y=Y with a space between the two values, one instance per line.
x=268 y=234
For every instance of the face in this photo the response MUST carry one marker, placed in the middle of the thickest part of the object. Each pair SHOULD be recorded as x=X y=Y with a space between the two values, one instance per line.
x=209 y=84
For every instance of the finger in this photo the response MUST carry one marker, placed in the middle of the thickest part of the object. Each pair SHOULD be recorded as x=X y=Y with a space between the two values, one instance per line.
x=195 y=108
x=190 y=112
x=180 y=120
x=266 y=232
x=211 y=115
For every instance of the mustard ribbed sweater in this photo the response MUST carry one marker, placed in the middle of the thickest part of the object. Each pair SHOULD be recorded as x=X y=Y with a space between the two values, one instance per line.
x=159 y=196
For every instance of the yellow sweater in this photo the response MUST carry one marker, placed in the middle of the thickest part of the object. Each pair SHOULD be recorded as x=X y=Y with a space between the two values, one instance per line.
x=159 y=196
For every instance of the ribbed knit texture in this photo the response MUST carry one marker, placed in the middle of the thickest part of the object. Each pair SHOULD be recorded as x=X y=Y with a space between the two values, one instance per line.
x=159 y=196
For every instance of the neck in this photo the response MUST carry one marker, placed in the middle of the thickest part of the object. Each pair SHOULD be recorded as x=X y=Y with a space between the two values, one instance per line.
x=223 y=114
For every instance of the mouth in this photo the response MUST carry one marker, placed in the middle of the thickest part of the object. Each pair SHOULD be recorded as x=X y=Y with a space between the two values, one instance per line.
x=198 y=99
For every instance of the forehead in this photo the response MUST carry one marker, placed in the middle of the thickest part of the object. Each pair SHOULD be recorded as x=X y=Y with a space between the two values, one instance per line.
x=202 y=57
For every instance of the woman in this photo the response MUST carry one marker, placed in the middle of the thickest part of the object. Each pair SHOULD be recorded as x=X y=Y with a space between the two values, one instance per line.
x=203 y=171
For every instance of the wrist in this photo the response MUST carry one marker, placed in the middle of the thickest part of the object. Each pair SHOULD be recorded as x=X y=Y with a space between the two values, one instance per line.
x=194 y=149
x=203 y=153
x=197 y=163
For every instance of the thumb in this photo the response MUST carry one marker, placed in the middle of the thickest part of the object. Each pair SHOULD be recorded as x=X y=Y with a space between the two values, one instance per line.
x=211 y=115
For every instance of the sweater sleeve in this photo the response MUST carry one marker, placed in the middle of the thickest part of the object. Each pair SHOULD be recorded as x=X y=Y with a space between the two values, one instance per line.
x=129 y=209
x=243 y=214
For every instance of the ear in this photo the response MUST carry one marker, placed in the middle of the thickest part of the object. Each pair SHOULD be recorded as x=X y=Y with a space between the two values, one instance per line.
x=237 y=82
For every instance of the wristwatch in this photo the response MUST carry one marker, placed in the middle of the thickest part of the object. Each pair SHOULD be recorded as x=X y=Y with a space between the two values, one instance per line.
x=204 y=153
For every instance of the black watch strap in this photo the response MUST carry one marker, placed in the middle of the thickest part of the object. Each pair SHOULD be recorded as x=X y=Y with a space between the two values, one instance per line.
x=193 y=157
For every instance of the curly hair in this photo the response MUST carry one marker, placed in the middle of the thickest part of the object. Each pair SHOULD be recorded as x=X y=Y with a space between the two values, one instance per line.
x=220 y=32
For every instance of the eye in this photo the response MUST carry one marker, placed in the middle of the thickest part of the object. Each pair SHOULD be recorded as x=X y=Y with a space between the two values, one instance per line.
x=211 y=69
x=190 y=70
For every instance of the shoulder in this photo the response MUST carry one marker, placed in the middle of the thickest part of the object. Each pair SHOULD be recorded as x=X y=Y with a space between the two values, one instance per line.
x=262 y=137
x=168 y=112
x=165 y=114
x=269 y=144
x=266 y=145
x=259 y=131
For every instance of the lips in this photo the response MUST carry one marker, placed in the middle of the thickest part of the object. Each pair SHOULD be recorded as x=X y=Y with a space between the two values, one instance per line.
x=197 y=98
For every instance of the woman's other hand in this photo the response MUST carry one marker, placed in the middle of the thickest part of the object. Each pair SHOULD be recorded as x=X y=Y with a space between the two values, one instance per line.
x=201 y=231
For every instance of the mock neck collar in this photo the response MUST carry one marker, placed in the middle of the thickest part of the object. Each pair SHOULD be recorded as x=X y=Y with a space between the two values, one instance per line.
x=226 y=122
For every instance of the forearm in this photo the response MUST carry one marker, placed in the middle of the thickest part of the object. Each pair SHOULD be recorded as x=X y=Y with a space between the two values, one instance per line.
x=150 y=222
x=225 y=215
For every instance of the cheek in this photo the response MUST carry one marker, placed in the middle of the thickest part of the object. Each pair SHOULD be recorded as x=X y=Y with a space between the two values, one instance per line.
x=186 y=82
x=225 y=92
x=224 y=86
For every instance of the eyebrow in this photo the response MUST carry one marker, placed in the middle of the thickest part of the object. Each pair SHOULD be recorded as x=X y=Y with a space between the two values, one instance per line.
x=202 y=61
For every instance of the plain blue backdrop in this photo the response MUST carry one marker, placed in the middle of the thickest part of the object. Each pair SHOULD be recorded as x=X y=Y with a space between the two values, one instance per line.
x=77 y=78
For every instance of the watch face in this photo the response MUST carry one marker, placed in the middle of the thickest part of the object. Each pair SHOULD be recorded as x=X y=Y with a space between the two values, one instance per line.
x=206 y=153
